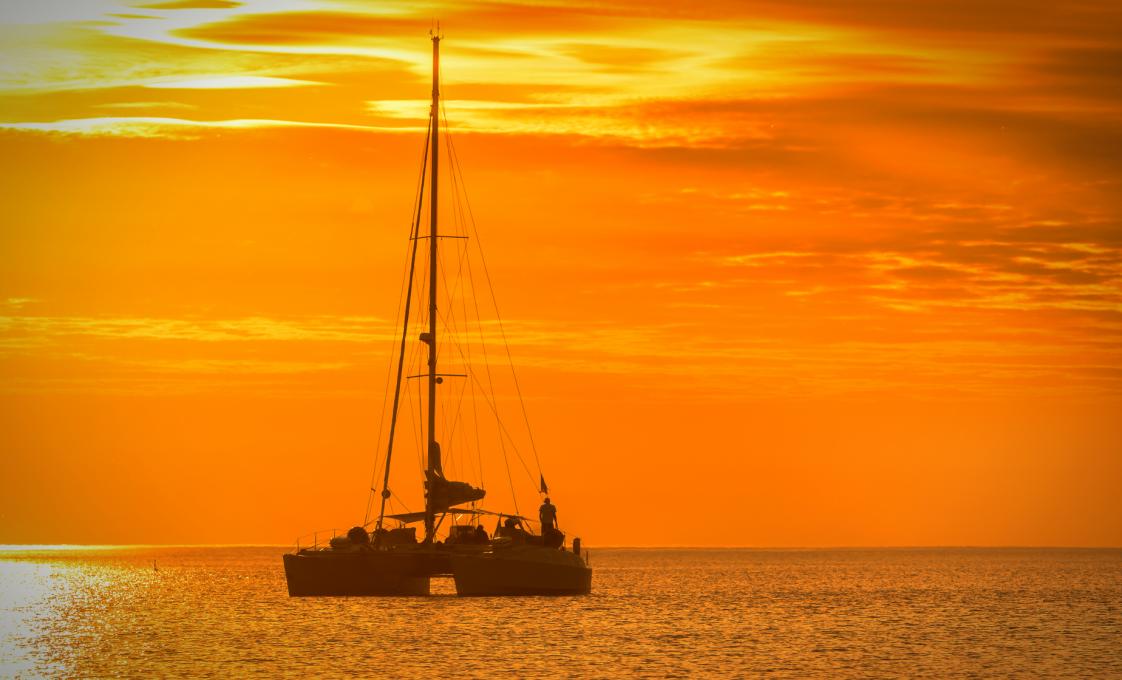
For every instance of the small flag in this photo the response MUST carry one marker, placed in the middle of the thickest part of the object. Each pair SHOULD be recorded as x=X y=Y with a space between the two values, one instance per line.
x=544 y=488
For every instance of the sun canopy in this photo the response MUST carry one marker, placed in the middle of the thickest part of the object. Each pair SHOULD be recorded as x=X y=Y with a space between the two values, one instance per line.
x=410 y=517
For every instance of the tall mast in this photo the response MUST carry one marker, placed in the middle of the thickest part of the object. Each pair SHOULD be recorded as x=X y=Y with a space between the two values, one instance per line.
x=434 y=466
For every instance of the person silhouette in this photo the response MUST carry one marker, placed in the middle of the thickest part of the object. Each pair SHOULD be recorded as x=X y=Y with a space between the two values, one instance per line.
x=548 y=515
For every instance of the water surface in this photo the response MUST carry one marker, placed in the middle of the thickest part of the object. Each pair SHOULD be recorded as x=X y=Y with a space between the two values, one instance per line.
x=653 y=613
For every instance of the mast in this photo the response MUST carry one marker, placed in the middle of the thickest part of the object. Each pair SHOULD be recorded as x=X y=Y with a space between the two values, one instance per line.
x=434 y=466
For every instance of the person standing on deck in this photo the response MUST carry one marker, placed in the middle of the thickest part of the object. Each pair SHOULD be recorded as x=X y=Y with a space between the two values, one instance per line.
x=548 y=515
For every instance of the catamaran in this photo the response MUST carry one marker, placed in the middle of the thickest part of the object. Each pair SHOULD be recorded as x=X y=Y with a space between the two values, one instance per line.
x=384 y=556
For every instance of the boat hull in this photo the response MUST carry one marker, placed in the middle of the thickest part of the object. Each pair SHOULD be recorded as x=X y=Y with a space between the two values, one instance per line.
x=525 y=571
x=325 y=572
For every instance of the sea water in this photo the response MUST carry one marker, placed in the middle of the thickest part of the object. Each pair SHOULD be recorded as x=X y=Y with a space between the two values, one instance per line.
x=224 y=612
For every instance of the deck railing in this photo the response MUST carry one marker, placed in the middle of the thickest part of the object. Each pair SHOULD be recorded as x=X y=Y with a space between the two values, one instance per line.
x=314 y=536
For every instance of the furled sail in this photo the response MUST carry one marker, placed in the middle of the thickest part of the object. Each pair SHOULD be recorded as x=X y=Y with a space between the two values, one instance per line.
x=444 y=493
x=434 y=458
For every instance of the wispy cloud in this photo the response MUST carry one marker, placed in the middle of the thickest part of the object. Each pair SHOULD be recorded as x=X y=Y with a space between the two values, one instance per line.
x=134 y=352
x=178 y=128
x=18 y=303
x=875 y=194
x=989 y=275
x=227 y=83
x=330 y=329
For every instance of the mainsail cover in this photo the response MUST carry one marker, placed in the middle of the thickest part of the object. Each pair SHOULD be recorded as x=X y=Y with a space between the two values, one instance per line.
x=444 y=493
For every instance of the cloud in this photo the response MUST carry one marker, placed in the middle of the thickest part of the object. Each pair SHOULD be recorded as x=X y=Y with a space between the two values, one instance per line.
x=325 y=329
x=301 y=28
x=192 y=4
x=730 y=76
x=145 y=105
x=1022 y=276
x=174 y=128
x=141 y=354
x=861 y=193
x=227 y=83
x=19 y=302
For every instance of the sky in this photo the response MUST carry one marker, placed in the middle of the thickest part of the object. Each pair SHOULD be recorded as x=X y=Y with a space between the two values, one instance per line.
x=771 y=274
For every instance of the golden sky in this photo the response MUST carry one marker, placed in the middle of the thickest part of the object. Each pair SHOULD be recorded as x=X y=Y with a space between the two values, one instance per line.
x=772 y=274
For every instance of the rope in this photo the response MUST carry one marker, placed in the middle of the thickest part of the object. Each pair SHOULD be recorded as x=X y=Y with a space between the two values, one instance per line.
x=407 y=278
x=457 y=169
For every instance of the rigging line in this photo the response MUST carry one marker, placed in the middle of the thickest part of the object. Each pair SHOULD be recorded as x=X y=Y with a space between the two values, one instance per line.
x=513 y=445
x=458 y=193
x=457 y=187
x=478 y=443
x=416 y=350
x=452 y=337
x=465 y=444
x=447 y=452
x=447 y=320
x=458 y=218
x=418 y=431
x=452 y=178
x=491 y=384
x=420 y=357
x=451 y=291
x=399 y=500
x=449 y=432
x=415 y=361
x=458 y=315
x=458 y=279
x=449 y=324
x=404 y=333
x=406 y=287
x=457 y=168
x=493 y=404
x=450 y=319
x=414 y=409
x=422 y=440
x=402 y=294
x=422 y=426
x=467 y=359
x=459 y=409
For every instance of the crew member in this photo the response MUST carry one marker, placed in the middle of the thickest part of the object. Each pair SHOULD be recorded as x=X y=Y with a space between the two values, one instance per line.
x=512 y=529
x=548 y=515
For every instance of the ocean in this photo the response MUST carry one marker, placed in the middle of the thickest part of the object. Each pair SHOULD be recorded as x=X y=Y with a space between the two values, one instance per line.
x=224 y=612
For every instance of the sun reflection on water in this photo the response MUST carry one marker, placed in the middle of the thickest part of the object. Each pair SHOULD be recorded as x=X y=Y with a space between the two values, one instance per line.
x=144 y=612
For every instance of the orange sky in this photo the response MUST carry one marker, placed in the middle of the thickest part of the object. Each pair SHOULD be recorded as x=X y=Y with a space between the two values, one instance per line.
x=837 y=274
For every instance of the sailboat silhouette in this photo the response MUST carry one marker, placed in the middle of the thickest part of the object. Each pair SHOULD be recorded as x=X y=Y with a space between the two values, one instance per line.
x=514 y=561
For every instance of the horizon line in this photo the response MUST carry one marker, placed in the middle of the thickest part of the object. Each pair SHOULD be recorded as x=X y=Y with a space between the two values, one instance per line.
x=30 y=547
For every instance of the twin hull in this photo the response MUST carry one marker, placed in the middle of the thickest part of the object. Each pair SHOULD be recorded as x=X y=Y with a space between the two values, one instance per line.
x=521 y=571
x=511 y=571
x=328 y=572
